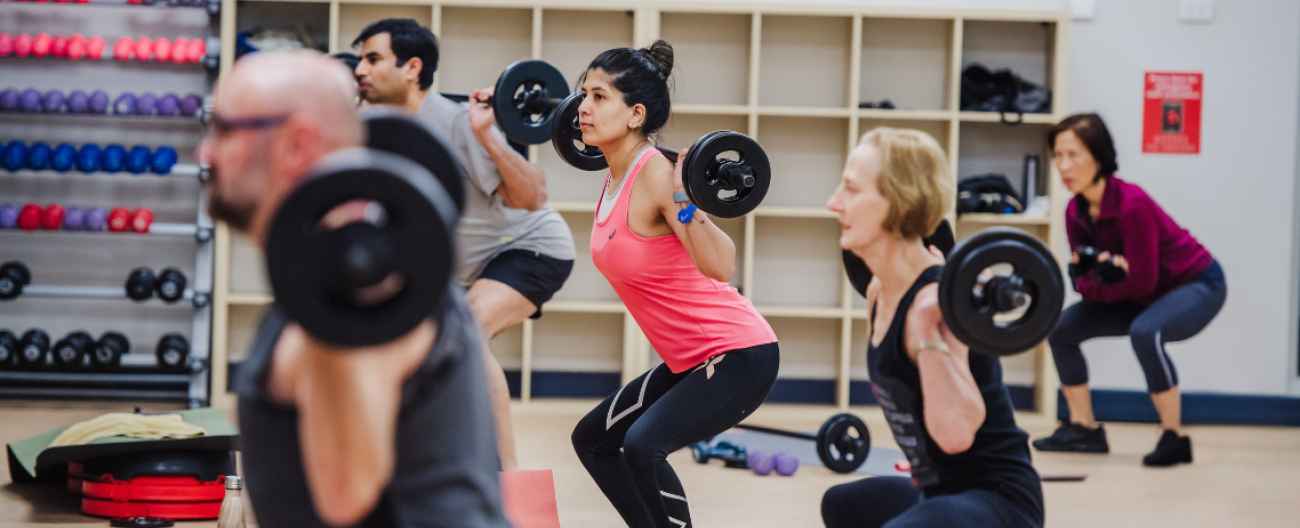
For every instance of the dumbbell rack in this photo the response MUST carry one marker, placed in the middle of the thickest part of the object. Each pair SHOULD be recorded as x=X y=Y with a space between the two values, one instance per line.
x=138 y=376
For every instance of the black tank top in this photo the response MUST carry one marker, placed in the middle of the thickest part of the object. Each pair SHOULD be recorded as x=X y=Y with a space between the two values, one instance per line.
x=998 y=460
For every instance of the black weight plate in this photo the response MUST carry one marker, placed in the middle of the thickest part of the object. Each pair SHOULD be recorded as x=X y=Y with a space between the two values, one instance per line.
x=420 y=220
x=972 y=321
x=391 y=132
x=702 y=182
x=566 y=137
x=843 y=443
x=520 y=120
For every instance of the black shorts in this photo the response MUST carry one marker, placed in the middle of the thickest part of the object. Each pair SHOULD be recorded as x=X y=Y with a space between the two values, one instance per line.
x=534 y=275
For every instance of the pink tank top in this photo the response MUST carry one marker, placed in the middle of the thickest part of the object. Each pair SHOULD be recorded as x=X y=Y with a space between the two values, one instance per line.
x=687 y=317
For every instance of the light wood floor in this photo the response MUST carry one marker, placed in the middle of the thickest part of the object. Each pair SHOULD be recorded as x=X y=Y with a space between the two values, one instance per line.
x=1243 y=476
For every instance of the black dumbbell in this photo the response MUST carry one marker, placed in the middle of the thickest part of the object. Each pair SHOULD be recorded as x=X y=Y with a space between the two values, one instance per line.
x=171 y=285
x=173 y=349
x=13 y=276
x=731 y=455
x=8 y=350
x=526 y=96
x=33 y=347
x=108 y=350
x=70 y=352
x=141 y=284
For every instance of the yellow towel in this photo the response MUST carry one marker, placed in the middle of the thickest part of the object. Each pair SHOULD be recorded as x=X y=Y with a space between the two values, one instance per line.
x=148 y=426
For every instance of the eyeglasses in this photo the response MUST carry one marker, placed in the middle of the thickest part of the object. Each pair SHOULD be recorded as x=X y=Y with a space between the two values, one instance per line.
x=223 y=125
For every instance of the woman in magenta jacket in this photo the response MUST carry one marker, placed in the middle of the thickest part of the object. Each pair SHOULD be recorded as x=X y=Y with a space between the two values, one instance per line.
x=1151 y=281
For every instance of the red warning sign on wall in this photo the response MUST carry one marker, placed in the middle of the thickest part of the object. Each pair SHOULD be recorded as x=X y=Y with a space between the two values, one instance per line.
x=1171 y=123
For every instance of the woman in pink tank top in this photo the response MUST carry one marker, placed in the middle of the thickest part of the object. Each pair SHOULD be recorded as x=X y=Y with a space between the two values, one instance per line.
x=720 y=356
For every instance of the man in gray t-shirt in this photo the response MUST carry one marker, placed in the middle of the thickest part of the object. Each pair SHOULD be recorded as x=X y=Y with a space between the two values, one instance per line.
x=515 y=251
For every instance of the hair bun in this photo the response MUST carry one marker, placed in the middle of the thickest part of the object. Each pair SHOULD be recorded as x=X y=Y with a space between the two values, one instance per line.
x=660 y=53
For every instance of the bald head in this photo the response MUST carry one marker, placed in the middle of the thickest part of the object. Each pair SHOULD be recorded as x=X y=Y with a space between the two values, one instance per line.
x=296 y=82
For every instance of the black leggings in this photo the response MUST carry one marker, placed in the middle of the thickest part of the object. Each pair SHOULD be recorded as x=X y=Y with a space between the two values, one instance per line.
x=625 y=441
x=893 y=502
x=1179 y=315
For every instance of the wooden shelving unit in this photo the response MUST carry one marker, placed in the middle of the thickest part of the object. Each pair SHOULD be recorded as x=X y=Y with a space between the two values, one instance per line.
x=792 y=76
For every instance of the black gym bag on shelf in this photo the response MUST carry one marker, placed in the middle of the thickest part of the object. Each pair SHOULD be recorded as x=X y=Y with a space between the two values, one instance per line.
x=1003 y=91
x=988 y=193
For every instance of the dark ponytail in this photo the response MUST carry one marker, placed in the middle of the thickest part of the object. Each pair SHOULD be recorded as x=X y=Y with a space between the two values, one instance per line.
x=642 y=75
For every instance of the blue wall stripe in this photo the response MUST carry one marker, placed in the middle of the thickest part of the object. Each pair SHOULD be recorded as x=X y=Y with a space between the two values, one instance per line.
x=1198 y=408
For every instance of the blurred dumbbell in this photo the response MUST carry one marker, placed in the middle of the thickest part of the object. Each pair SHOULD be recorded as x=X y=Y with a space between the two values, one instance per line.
x=141 y=284
x=162 y=50
x=15 y=156
x=180 y=50
x=124 y=49
x=140 y=220
x=763 y=464
x=74 y=219
x=125 y=104
x=137 y=160
x=78 y=102
x=163 y=159
x=171 y=285
x=9 y=216
x=146 y=104
x=112 y=159
x=41 y=44
x=64 y=157
x=195 y=50
x=8 y=350
x=13 y=276
x=22 y=45
x=52 y=216
x=191 y=104
x=96 y=219
x=38 y=156
x=76 y=47
x=33 y=347
x=99 y=102
x=172 y=352
x=70 y=352
x=95 y=47
x=108 y=350
x=119 y=220
x=88 y=158
x=59 y=47
x=52 y=102
x=29 y=101
x=6 y=44
x=29 y=218
x=143 y=48
x=9 y=100
x=168 y=104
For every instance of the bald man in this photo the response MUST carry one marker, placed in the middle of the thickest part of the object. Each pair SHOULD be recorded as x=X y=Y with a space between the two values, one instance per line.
x=398 y=434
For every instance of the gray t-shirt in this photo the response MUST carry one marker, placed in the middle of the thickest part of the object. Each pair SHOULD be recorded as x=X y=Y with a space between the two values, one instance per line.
x=488 y=226
x=445 y=474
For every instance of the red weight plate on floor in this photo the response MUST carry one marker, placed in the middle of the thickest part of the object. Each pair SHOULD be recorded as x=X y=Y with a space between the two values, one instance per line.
x=156 y=488
x=166 y=510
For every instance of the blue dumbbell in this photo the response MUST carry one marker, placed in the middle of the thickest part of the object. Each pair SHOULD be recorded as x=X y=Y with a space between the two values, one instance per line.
x=88 y=158
x=125 y=104
x=64 y=157
x=78 y=102
x=38 y=156
x=137 y=160
x=15 y=155
x=113 y=158
x=163 y=160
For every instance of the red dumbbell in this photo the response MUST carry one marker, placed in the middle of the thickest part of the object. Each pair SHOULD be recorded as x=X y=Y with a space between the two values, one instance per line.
x=6 y=44
x=143 y=48
x=76 y=47
x=124 y=49
x=95 y=48
x=41 y=44
x=162 y=50
x=133 y=2
x=196 y=50
x=141 y=219
x=118 y=219
x=52 y=216
x=180 y=48
x=30 y=217
x=22 y=45
x=59 y=48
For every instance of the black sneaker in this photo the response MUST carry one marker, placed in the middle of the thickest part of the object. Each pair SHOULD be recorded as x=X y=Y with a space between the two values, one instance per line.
x=1075 y=438
x=1170 y=450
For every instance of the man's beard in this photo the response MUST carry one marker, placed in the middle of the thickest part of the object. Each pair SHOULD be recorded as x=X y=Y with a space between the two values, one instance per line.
x=237 y=215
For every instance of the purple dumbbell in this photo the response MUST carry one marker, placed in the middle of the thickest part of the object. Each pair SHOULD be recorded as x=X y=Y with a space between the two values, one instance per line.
x=190 y=105
x=99 y=102
x=125 y=104
x=9 y=100
x=168 y=105
x=74 y=219
x=786 y=464
x=52 y=103
x=146 y=104
x=78 y=102
x=760 y=463
x=9 y=215
x=95 y=219
x=30 y=100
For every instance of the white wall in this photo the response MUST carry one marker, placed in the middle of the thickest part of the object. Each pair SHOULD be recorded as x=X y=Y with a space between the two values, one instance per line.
x=1237 y=197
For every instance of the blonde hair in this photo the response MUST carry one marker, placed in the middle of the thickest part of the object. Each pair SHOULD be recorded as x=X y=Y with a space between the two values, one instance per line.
x=914 y=178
